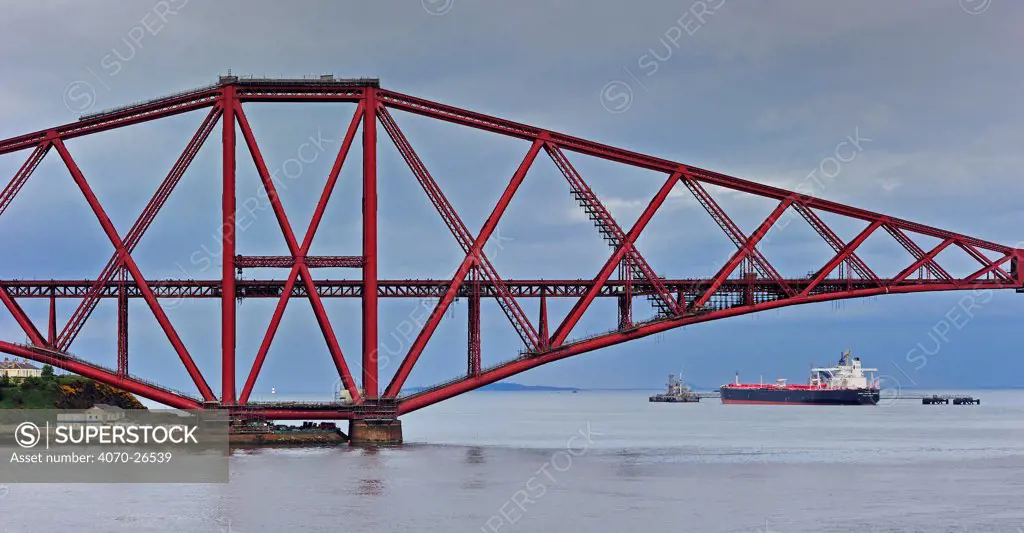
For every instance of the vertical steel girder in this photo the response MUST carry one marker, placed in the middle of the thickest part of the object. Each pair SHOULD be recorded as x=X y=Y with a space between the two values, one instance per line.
x=122 y=324
x=307 y=241
x=229 y=206
x=625 y=311
x=626 y=300
x=473 y=340
x=545 y=338
x=51 y=323
x=370 y=308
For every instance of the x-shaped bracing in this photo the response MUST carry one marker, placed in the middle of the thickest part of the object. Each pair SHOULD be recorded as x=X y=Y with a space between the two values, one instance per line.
x=298 y=252
x=134 y=235
x=125 y=258
x=473 y=248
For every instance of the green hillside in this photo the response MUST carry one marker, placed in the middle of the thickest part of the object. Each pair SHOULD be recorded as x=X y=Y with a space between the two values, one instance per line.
x=61 y=392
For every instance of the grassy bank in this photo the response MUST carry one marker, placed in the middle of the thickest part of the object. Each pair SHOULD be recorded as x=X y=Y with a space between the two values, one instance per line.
x=61 y=392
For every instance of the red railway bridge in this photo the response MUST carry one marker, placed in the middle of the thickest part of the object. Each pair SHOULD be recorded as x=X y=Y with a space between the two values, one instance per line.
x=746 y=282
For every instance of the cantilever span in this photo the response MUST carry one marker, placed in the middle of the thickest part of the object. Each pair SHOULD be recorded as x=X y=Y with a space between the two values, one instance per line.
x=746 y=282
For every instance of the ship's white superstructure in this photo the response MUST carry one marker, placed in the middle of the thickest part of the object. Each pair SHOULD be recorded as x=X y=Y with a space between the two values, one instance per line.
x=846 y=374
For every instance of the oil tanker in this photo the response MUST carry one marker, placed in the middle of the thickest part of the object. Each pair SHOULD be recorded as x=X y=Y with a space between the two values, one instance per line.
x=843 y=384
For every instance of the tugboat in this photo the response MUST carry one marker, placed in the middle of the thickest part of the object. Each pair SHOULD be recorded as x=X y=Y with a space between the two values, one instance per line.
x=843 y=384
x=678 y=392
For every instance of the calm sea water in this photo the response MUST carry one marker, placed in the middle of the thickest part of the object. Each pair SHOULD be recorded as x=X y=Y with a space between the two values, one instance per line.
x=598 y=461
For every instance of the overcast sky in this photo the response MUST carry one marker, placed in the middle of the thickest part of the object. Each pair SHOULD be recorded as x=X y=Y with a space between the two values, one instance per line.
x=930 y=91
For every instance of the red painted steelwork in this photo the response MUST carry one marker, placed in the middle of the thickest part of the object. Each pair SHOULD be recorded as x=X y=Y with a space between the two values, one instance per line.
x=307 y=241
x=129 y=263
x=289 y=236
x=134 y=235
x=84 y=368
x=742 y=252
x=835 y=242
x=746 y=283
x=12 y=188
x=370 y=307
x=577 y=311
x=436 y=288
x=229 y=205
x=442 y=392
x=635 y=265
x=311 y=261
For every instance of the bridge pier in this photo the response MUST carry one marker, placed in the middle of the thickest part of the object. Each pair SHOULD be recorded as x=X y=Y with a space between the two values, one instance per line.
x=375 y=423
x=375 y=431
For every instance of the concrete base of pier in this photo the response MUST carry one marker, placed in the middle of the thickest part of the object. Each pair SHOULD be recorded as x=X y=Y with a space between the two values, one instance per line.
x=375 y=432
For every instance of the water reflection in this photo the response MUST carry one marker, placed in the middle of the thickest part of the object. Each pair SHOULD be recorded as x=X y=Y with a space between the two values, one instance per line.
x=628 y=464
x=475 y=456
x=371 y=487
x=368 y=451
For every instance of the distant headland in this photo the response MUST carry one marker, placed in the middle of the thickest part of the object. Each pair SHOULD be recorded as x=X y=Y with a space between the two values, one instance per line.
x=512 y=387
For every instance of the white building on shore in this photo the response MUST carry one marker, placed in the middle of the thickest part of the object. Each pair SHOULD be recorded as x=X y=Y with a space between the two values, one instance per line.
x=100 y=413
x=19 y=370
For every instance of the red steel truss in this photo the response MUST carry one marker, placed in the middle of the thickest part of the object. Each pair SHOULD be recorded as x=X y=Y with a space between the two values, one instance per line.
x=747 y=282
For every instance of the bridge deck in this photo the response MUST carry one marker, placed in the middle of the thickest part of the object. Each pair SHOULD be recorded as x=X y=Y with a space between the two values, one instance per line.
x=423 y=288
